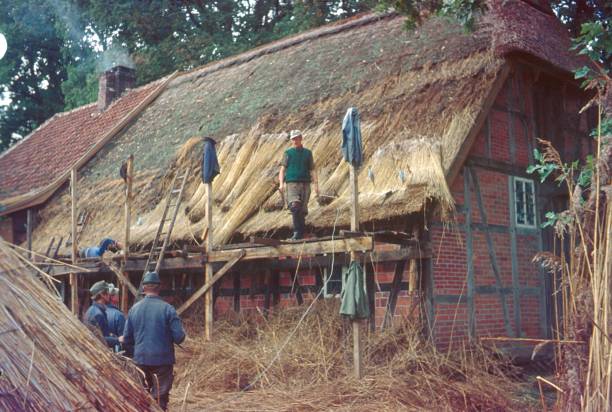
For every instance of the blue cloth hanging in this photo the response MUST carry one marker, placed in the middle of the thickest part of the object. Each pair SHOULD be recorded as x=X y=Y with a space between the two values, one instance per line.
x=210 y=164
x=351 y=137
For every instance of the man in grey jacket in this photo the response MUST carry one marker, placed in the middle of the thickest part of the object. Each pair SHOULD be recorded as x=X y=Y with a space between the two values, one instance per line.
x=153 y=327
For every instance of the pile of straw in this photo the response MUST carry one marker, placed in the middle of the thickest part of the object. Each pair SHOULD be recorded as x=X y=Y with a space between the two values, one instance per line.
x=314 y=371
x=49 y=361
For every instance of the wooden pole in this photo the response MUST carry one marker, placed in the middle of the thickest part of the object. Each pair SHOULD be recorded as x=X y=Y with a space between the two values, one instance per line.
x=74 y=287
x=29 y=232
x=126 y=240
x=208 y=298
x=354 y=199
x=355 y=228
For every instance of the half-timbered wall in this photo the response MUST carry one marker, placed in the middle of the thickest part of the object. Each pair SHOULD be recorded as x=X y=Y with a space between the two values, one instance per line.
x=485 y=281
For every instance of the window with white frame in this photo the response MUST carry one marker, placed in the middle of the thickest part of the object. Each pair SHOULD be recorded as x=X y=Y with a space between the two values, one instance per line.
x=332 y=282
x=524 y=203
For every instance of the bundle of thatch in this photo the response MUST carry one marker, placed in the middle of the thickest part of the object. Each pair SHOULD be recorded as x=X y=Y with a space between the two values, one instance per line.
x=49 y=361
x=313 y=372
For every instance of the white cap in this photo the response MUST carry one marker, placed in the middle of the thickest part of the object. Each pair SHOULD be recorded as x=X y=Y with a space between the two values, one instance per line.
x=295 y=133
x=112 y=290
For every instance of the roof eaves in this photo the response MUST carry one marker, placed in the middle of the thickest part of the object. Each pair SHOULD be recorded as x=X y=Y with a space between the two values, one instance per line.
x=42 y=194
x=470 y=138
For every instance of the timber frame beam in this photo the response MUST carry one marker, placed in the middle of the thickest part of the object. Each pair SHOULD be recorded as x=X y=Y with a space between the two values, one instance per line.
x=289 y=262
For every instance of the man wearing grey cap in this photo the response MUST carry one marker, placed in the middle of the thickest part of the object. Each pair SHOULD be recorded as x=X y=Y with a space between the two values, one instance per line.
x=96 y=313
x=296 y=173
x=114 y=316
x=153 y=327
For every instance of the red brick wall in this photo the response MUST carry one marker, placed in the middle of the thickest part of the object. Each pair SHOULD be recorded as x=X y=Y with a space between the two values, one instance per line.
x=540 y=100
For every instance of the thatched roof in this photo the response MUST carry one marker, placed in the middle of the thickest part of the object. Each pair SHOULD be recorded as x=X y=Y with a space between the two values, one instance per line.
x=37 y=165
x=418 y=92
x=49 y=361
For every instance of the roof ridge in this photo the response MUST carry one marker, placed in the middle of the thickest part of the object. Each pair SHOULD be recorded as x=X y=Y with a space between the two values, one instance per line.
x=284 y=43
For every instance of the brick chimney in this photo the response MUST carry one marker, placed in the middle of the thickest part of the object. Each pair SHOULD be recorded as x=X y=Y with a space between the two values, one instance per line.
x=113 y=83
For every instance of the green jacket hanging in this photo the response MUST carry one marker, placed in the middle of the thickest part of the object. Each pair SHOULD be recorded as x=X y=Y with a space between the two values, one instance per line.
x=354 y=298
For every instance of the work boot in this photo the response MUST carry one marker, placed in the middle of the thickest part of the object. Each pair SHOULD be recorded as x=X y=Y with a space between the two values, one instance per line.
x=298 y=224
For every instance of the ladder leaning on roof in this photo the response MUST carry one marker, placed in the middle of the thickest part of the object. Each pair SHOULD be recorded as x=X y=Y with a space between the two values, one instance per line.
x=173 y=201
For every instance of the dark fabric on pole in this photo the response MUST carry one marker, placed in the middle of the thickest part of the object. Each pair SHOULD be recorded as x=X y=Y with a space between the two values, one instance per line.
x=354 y=299
x=210 y=164
x=351 y=137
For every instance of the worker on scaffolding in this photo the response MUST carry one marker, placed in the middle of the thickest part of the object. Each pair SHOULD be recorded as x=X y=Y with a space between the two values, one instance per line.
x=153 y=327
x=96 y=313
x=296 y=173
x=97 y=251
x=114 y=316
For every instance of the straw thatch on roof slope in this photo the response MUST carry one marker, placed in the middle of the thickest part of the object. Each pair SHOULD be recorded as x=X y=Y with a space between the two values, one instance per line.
x=418 y=94
x=49 y=361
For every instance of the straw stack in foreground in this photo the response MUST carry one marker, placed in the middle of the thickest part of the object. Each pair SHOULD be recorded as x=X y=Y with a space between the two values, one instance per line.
x=49 y=361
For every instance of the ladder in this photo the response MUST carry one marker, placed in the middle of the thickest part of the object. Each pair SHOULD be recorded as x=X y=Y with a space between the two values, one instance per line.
x=80 y=224
x=164 y=231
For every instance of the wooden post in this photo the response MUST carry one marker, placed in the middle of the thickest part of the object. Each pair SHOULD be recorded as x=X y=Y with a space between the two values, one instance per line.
x=208 y=298
x=74 y=287
x=354 y=199
x=355 y=228
x=29 y=232
x=126 y=240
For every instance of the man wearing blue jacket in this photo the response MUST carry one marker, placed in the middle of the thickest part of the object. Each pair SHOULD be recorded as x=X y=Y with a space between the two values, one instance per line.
x=114 y=316
x=97 y=251
x=153 y=327
x=96 y=313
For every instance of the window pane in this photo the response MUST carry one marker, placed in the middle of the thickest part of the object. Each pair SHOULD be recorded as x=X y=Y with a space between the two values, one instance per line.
x=529 y=203
x=519 y=200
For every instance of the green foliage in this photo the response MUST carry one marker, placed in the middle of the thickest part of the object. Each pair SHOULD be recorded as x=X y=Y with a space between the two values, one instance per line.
x=553 y=218
x=543 y=168
x=595 y=42
x=33 y=68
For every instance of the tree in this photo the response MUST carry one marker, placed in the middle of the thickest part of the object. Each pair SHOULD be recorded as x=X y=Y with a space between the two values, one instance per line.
x=32 y=70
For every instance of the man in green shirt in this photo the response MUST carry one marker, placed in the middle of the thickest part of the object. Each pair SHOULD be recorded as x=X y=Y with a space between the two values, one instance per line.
x=296 y=174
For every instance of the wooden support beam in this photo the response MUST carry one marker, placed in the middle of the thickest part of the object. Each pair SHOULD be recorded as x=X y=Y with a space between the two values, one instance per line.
x=469 y=250
x=395 y=289
x=362 y=244
x=236 y=291
x=354 y=228
x=267 y=281
x=491 y=249
x=74 y=287
x=497 y=166
x=428 y=308
x=124 y=280
x=207 y=286
x=29 y=223
x=298 y=288
x=264 y=241
x=208 y=274
x=126 y=241
x=275 y=287
x=370 y=279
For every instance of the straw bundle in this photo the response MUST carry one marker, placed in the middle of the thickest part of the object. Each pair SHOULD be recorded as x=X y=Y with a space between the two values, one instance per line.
x=314 y=371
x=48 y=360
